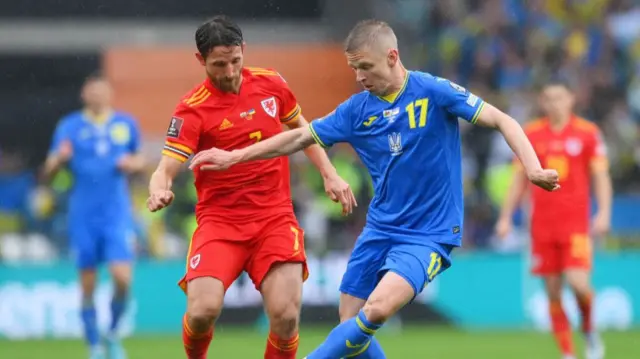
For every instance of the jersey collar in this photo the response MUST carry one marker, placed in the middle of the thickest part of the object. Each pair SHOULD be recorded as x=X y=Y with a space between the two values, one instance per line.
x=391 y=98
x=98 y=120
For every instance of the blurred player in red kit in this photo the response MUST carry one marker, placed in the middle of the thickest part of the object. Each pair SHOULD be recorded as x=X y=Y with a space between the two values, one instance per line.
x=245 y=214
x=560 y=231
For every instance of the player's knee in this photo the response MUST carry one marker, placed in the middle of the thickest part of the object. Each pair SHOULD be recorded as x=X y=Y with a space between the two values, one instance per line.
x=377 y=310
x=581 y=288
x=285 y=317
x=203 y=312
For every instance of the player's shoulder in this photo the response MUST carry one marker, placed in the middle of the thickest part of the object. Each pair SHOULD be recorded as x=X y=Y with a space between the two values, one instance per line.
x=195 y=97
x=536 y=125
x=429 y=81
x=71 y=119
x=264 y=74
x=585 y=126
x=431 y=84
x=358 y=101
x=123 y=116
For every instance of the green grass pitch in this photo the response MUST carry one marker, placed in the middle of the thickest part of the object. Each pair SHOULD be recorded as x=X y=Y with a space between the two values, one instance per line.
x=412 y=342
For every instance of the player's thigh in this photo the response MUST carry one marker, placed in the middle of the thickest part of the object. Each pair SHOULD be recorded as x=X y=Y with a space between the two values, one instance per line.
x=205 y=297
x=418 y=265
x=118 y=246
x=211 y=256
x=349 y=306
x=279 y=256
x=282 y=293
x=577 y=252
x=84 y=244
x=367 y=258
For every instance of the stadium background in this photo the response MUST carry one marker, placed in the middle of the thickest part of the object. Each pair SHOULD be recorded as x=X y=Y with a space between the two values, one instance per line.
x=487 y=306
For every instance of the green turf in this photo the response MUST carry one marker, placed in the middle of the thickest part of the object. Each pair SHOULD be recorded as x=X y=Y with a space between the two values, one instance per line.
x=413 y=342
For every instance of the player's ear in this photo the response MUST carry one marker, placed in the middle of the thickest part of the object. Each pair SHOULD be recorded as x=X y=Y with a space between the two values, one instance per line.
x=200 y=58
x=392 y=57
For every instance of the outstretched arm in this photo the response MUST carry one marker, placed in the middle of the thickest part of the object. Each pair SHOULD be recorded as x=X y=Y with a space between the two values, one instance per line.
x=519 y=143
x=282 y=144
x=463 y=104
x=314 y=152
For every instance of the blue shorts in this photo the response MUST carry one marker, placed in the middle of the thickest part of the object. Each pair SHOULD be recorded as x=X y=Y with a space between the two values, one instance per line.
x=374 y=254
x=95 y=242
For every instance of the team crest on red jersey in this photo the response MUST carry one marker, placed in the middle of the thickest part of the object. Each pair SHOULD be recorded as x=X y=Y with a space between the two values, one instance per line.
x=270 y=107
x=573 y=146
x=195 y=260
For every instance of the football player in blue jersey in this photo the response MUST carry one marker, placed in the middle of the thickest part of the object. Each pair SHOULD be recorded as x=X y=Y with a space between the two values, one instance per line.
x=100 y=147
x=405 y=129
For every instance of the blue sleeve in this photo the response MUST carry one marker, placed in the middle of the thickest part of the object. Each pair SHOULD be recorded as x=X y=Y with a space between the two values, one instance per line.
x=334 y=127
x=134 y=144
x=457 y=101
x=60 y=134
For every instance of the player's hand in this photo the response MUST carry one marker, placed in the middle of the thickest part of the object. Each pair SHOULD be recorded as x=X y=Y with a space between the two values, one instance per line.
x=128 y=163
x=339 y=191
x=601 y=225
x=214 y=159
x=503 y=227
x=159 y=200
x=65 y=151
x=545 y=179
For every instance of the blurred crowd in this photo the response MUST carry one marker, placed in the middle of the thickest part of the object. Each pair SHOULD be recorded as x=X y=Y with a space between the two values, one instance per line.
x=499 y=49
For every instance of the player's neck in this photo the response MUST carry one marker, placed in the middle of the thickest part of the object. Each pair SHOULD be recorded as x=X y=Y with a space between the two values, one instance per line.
x=397 y=80
x=97 y=112
x=558 y=124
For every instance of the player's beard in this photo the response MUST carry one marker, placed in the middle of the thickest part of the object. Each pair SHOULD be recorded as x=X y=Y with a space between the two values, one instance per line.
x=227 y=84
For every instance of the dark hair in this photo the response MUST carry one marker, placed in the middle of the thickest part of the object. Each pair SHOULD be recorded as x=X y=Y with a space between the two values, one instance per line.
x=95 y=76
x=366 y=32
x=555 y=81
x=220 y=30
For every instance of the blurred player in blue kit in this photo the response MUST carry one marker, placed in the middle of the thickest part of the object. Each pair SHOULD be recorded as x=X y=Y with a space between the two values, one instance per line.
x=405 y=129
x=100 y=147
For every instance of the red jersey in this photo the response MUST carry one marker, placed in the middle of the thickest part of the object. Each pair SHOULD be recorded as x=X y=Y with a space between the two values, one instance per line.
x=207 y=117
x=572 y=151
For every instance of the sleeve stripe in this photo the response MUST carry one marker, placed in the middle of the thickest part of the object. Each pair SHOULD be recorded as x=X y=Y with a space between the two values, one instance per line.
x=176 y=151
x=477 y=114
x=196 y=95
x=315 y=136
x=174 y=155
x=179 y=147
x=291 y=115
x=599 y=164
x=202 y=99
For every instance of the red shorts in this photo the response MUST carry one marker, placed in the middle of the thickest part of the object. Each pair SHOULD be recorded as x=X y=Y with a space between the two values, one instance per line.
x=224 y=249
x=553 y=253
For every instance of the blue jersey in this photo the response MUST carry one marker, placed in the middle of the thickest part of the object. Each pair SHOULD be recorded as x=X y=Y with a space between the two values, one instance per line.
x=100 y=190
x=410 y=144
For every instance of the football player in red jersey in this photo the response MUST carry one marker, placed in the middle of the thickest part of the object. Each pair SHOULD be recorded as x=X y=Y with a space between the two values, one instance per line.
x=245 y=215
x=560 y=233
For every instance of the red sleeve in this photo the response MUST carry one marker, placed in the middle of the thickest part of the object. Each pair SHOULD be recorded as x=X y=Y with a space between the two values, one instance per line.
x=596 y=151
x=290 y=109
x=183 y=134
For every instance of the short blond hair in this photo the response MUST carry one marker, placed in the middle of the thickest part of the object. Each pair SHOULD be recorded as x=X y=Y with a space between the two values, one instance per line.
x=368 y=33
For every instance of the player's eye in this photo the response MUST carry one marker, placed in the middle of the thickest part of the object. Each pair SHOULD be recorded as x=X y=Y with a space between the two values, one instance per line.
x=219 y=64
x=236 y=60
